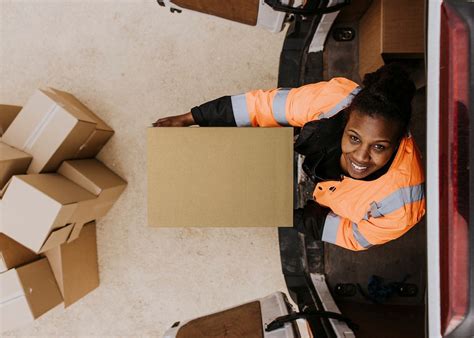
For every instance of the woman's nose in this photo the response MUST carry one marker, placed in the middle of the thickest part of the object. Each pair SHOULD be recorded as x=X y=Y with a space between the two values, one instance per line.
x=362 y=155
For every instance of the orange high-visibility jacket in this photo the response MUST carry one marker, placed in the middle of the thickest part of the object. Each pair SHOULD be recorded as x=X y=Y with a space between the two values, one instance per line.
x=363 y=213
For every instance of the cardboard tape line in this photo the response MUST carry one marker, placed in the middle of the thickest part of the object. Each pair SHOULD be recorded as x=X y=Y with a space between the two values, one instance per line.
x=30 y=141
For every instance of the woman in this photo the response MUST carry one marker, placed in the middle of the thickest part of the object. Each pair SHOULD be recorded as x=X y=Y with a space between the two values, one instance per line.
x=358 y=150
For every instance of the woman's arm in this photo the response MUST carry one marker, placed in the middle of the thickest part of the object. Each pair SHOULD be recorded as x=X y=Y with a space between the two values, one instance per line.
x=268 y=108
x=215 y=113
x=371 y=230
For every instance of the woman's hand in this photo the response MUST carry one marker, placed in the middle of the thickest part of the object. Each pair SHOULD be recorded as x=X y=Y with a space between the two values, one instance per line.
x=184 y=120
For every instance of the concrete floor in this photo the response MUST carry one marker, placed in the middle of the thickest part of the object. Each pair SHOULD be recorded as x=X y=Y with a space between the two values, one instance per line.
x=133 y=62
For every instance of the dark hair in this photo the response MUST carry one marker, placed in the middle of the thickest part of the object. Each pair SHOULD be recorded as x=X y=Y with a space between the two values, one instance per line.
x=387 y=93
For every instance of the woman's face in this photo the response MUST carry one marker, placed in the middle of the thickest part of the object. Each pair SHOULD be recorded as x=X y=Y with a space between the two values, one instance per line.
x=367 y=144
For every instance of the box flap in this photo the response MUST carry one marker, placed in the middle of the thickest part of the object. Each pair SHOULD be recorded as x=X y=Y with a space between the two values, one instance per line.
x=90 y=174
x=57 y=237
x=54 y=258
x=221 y=177
x=106 y=200
x=101 y=125
x=84 y=212
x=76 y=230
x=8 y=153
x=94 y=144
x=3 y=190
x=7 y=115
x=71 y=107
x=79 y=271
x=40 y=286
x=57 y=187
x=14 y=254
x=12 y=162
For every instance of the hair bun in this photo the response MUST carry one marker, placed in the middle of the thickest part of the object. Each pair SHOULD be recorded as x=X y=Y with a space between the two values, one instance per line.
x=391 y=82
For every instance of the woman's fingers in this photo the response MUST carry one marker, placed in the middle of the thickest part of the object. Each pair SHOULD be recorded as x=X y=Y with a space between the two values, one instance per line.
x=175 y=121
x=164 y=122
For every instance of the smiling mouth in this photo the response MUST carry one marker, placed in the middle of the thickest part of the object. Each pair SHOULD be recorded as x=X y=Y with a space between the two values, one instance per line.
x=358 y=168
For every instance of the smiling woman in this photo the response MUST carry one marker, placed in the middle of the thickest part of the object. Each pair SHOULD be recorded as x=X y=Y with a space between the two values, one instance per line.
x=358 y=151
x=367 y=144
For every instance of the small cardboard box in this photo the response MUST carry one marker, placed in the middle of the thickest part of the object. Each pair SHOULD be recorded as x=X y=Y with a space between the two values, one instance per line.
x=13 y=254
x=99 y=180
x=220 y=177
x=12 y=162
x=40 y=210
x=75 y=265
x=99 y=136
x=7 y=115
x=26 y=293
x=51 y=129
x=390 y=30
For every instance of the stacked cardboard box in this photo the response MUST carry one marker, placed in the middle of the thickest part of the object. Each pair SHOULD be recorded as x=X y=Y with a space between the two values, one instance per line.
x=52 y=190
x=391 y=31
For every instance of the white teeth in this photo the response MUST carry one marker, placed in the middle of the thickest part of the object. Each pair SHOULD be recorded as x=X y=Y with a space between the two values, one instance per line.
x=356 y=167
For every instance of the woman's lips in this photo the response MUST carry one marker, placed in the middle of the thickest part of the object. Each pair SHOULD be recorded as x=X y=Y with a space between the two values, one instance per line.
x=358 y=168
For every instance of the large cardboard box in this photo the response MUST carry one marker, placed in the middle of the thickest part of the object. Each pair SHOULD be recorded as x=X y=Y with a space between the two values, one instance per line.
x=99 y=180
x=26 y=293
x=101 y=134
x=220 y=177
x=13 y=254
x=12 y=162
x=51 y=129
x=7 y=115
x=75 y=265
x=40 y=210
x=390 y=30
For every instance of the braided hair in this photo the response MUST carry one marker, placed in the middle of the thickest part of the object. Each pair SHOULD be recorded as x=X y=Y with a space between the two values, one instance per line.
x=386 y=93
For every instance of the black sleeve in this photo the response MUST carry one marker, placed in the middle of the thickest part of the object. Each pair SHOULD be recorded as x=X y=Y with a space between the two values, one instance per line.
x=310 y=220
x=216 y=113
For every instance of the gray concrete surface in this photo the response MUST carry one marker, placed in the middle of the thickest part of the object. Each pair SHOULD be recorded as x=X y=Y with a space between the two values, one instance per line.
x=133 y=62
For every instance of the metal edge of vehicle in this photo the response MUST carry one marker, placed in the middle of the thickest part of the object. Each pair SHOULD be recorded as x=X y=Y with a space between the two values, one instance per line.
x=432 y=177
x=341 y=329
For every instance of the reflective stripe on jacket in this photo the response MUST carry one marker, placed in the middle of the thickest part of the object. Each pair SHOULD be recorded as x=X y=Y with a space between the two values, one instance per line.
x=292 y=107
x=366 y=213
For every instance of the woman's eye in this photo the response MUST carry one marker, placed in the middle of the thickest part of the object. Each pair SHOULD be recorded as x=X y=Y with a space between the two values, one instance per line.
x=379 y=147
x=353 y=139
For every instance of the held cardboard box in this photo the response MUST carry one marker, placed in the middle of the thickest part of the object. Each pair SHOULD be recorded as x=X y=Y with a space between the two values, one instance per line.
x=220 y=177
x=26 y=293
x=7 y=115
x=13 y=254
x=390 y=30
x=40 y=210
x=51 y=129
x=99 y=180
x=75 y=265
x=99 y=136
x=12 y=162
